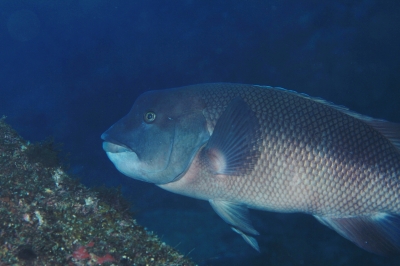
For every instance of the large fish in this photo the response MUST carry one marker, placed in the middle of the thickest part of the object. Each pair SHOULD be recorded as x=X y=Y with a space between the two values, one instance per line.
x=246 y=146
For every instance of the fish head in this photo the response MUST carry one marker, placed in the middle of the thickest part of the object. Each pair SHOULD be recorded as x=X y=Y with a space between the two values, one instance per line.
x=158 y=139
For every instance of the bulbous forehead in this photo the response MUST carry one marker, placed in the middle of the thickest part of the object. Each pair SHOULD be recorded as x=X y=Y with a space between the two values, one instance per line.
x=174 y=102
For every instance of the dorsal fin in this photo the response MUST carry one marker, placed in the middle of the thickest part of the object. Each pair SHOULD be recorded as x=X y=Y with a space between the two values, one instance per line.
x=388 y=129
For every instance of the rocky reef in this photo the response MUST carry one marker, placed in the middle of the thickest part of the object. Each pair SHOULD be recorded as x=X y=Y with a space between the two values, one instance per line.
x=49 y=218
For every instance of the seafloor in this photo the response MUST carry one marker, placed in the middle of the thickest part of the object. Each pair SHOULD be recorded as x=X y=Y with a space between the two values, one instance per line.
x=49 y=218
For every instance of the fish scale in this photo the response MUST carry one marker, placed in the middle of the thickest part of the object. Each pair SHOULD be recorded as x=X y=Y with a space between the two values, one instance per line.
x=284 y=145
x=245 y=146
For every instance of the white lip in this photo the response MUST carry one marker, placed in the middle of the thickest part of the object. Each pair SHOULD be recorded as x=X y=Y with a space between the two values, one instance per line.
x=114 y=148
x=127 y=162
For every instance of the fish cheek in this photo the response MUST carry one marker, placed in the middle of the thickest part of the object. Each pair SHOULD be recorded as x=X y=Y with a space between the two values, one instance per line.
x=153 y=146
x=191 y=133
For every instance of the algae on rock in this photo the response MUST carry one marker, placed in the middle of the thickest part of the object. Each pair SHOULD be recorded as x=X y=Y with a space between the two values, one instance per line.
x=48 y=218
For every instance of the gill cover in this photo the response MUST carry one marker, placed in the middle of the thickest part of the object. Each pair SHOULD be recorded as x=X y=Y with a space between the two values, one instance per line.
x=157 y=140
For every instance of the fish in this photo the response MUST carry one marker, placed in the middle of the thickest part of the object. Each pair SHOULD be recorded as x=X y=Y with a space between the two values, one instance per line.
x=244 y=147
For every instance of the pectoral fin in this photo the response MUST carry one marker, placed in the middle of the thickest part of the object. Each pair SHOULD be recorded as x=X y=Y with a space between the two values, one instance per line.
x=379 y=233
x=237 y=216
x=233 y=146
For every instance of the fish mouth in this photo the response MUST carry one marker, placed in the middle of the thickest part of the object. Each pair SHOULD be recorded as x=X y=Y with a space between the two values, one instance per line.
x=128 y=161
x=110 y=145
x=115 y=148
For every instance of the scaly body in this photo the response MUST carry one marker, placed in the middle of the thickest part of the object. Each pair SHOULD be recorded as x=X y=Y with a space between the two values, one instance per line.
x=270 y=149
x=314 y=158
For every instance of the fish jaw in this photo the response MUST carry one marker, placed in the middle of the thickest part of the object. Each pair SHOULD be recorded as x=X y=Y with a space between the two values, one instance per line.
x=125 y=160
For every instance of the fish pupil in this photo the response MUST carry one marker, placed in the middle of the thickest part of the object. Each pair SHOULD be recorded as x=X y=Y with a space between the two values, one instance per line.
x=149 y=117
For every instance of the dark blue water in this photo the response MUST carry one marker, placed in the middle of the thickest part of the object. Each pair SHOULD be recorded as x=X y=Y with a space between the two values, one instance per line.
x=71 y=68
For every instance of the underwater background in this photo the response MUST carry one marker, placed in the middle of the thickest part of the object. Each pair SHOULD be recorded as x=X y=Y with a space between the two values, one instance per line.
x=70 y=69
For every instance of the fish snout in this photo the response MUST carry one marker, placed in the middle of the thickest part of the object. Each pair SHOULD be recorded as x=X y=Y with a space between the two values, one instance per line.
x=110 y=145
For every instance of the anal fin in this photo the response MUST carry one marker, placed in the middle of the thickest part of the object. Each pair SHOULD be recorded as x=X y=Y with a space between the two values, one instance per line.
x=378 y=233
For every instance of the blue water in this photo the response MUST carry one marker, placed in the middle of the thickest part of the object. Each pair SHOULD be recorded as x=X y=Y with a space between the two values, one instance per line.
x=71 y=68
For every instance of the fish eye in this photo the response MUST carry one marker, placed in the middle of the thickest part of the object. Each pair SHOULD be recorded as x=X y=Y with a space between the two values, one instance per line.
x=149 y=117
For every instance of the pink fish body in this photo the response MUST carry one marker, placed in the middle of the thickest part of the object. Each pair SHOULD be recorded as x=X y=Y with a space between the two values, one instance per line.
x=247 y=146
